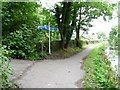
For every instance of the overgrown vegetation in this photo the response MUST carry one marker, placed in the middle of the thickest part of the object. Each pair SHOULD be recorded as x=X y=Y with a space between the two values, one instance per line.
x=22 y=44
x=113 y=38
x=99 y=73
x=101 y=35
x=20 y=34
x=5 y=69
x=61 y=54
x=68 y=52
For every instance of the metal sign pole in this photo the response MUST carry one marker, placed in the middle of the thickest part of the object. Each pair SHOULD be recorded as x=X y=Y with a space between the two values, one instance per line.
x=47 y=28
x=49 y=38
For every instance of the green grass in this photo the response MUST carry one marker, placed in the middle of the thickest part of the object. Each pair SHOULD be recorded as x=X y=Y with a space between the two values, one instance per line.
x=66 y=53
x=90 y=58
x=99 y=73
x=88 y=45
x=61 y=54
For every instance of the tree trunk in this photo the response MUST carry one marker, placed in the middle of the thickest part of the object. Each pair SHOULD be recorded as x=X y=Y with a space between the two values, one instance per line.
x=62 y=43
x=77 y=37
x=63 y=20
x=78 y=30
x=67 y=42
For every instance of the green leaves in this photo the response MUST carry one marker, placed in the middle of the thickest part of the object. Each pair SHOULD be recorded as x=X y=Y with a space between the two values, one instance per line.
x=78 y=16
x=20 y=21
x=113 y=37
x=99 y=71
x=14 y=14
x=101 y=35
x=5 y=69
x=23 y=43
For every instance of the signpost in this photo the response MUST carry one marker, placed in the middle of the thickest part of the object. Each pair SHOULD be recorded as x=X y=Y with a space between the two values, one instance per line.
x=50 y=29
x=49 y=38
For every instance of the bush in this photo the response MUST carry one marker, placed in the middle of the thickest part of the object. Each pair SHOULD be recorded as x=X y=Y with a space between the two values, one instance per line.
x=5 y=69
x=80 y=43
x=27 y=44
x=19 y=43
x=99 y=71
x=22 y=44
x=38 y=56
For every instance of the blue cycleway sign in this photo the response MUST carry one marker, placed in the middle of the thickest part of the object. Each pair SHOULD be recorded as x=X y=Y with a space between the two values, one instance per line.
x=47 y=28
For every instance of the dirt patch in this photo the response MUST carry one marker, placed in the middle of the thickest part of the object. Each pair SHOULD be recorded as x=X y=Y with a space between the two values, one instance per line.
x=84 y=58
x=79 y=83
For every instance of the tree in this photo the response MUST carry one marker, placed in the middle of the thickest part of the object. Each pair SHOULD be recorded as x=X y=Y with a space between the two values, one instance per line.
x=20 y=29
x=101 y=35
x=77 y=16
x=20 y=34
x=63 y=18
x=89 y=11
x=14 y=14
x=113 y=37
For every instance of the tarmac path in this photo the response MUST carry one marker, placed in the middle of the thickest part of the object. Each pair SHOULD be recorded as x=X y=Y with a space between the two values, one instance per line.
x=61 y=73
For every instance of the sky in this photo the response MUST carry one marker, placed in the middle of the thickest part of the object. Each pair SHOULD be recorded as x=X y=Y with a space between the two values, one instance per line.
x=49 y=3
x=104 y=26
x=98 y=24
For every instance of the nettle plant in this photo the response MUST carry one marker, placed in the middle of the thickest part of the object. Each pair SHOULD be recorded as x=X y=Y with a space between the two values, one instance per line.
x=5 y=69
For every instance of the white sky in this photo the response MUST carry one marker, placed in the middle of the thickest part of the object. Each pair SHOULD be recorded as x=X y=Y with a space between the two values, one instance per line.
x=101 y=25
x=98 y=24
x=49 y=3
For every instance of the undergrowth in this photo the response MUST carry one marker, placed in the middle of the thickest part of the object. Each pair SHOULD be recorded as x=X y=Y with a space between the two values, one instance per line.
x=99 y=73
x=5 y=70
x=66 y=53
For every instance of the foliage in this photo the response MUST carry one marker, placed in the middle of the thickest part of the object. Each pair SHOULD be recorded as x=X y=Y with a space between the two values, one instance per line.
x=80 y=43
x=99 y=70
x=66 y=53
x=113 y=37
x=101 y=35
x=14 y=14
x=20 y=21
x=47 y=17
x=77 y=16
x=22 y=43
x=63 y=18
x=5 y=69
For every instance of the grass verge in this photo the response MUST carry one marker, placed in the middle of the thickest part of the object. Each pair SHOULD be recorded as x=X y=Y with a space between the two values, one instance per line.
x=62 y=54
x=66 y=53
x=99 y=73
